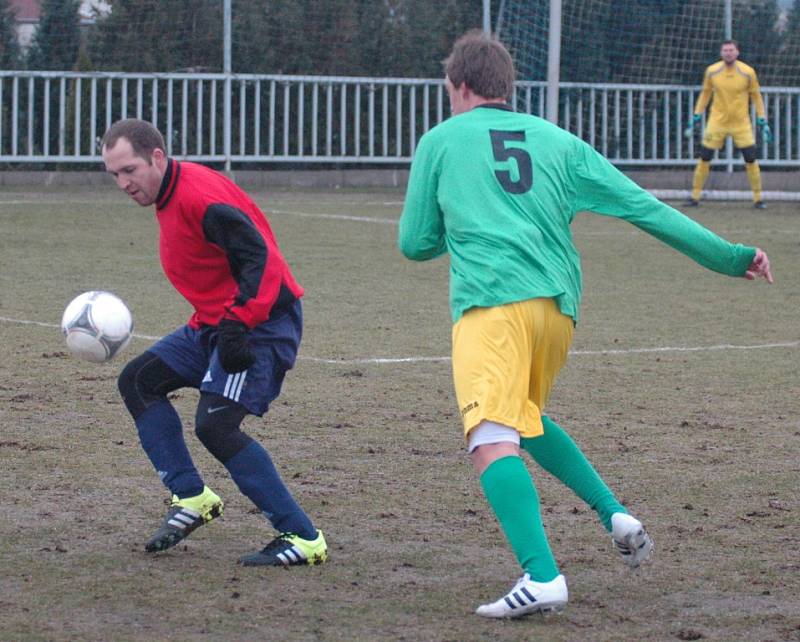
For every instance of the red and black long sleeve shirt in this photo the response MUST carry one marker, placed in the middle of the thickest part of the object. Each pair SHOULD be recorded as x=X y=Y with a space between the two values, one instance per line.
x=217 y=248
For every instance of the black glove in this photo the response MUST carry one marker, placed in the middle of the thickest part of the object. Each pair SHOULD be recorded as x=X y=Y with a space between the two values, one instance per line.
x=234 y=353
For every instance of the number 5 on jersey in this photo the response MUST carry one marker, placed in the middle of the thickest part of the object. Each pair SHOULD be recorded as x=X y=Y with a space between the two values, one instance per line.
x=503 y=154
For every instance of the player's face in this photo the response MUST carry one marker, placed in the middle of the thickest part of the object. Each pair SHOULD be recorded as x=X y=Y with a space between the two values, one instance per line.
x=457 y=102
x=729 y=53
x=138 y=178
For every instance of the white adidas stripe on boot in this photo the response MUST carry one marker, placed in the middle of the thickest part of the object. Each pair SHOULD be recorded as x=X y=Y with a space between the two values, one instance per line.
x=527 y=597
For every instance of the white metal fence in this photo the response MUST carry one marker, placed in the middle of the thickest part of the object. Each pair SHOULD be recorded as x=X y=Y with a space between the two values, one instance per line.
x=49 y=117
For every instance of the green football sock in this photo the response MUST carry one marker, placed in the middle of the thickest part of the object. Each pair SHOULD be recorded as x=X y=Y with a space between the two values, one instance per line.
x=560 y=456
x=510 y=492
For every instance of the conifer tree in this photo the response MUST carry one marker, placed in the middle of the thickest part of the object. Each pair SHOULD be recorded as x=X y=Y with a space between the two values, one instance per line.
x=9 y=47
x=57 y=40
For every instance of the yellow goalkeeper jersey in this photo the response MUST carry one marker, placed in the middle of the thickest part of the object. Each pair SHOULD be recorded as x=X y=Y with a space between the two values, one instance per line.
x=732 y=87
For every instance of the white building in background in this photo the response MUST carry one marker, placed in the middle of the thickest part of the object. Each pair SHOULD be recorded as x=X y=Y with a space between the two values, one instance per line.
x=28 y=13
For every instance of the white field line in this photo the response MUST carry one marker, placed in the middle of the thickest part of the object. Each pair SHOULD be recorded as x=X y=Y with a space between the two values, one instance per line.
x=634 y=231
x=391 y=221
x=56 y=201
x=664 y=194
x=725 y=195
x=420 y=359
x=336 y=217
x=299 y=202
x=617 y=233
x=572 y=353
x=56 y=197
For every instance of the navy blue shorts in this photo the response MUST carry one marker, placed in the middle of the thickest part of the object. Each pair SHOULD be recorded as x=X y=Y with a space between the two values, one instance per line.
x=193 y=355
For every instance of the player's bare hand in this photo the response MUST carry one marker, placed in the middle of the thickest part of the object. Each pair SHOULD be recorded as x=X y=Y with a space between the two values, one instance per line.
x=759 y=267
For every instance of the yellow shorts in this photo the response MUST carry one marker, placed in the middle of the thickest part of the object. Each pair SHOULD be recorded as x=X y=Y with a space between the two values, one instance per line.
x=714 y=136
x=505 y=360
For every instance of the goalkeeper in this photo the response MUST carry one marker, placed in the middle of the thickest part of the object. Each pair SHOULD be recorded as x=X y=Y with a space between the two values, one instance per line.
x=497 y=190
x=732 y=84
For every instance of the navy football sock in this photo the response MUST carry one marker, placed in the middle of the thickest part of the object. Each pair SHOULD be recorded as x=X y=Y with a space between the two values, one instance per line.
x=256 y=476
x=161 y=435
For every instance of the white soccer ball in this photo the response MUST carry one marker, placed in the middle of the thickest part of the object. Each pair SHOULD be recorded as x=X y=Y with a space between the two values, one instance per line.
x=97 y=326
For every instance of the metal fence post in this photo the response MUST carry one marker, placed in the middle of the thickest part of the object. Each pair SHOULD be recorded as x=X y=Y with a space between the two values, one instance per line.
x=553 y=60
x=226 y=68
x=728 y=36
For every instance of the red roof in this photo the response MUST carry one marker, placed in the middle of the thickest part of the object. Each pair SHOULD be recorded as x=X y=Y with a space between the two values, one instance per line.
x=26 y=10
x=31 y=10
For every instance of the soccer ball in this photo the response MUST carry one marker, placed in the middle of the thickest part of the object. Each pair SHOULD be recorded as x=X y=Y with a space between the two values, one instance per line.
x=97 y=326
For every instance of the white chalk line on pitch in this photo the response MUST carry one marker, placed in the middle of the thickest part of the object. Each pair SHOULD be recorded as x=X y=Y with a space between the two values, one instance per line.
x=337 y=217
x=572 y=353
x=579 y=234
x=392 y=221
x=55 y=201
x=266 y=208
x=420 y=359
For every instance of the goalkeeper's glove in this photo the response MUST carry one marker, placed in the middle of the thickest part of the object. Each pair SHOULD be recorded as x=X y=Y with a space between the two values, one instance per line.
x=766 y=132
x=234 y=353
x=694 y=124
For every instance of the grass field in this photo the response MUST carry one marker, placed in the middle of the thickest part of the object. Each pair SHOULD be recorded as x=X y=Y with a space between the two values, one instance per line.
x=682 y=388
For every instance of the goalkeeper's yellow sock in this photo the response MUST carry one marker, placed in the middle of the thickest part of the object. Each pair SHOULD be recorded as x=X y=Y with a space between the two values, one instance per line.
x=700 y=176
x=754 y=176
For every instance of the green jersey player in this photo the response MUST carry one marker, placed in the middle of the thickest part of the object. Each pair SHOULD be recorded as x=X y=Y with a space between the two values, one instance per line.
x=497 y=190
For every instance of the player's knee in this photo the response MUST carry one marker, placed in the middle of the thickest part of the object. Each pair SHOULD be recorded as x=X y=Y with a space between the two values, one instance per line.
x=706 y=153
x=145 y=380
x=750 y=154
x=217 y=426
x=132 y=387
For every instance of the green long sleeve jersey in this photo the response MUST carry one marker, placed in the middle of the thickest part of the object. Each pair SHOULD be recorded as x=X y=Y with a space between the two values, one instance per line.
x=498 y=190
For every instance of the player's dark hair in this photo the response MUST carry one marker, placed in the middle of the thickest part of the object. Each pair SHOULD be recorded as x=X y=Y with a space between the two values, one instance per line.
x=143 y=137
x=730 y=42
x=483 y=63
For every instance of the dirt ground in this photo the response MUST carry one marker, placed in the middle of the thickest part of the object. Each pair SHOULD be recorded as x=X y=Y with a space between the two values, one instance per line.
x=682 y=388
